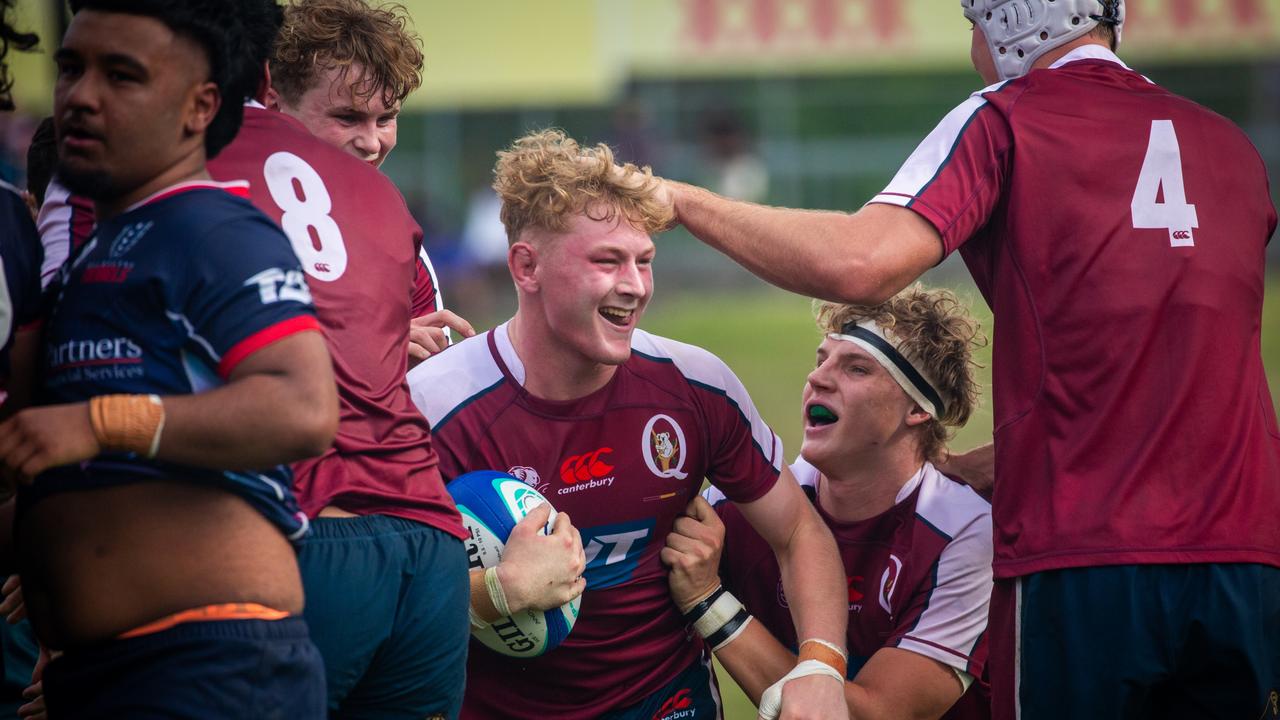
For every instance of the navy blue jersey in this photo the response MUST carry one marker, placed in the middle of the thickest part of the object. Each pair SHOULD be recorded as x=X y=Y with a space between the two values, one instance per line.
x=20 y=256
x=167 y=298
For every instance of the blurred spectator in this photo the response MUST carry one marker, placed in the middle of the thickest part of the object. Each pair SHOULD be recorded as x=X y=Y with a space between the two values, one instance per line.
x=734 y=169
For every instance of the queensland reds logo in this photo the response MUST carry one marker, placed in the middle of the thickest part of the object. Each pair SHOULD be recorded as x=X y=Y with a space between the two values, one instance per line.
x=664 y=448
x=889 y=582
x=529 y=476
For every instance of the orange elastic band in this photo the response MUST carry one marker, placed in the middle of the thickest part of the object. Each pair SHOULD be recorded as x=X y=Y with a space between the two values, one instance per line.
x=814 y=650
x=208 y=613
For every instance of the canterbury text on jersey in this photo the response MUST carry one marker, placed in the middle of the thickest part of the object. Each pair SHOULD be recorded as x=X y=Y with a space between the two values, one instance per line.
x=359 y=247
x=624 y=462
x=168 y=298
x=1118 y=232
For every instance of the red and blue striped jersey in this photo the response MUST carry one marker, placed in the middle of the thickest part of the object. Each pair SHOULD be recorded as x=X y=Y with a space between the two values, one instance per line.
x=168 y=298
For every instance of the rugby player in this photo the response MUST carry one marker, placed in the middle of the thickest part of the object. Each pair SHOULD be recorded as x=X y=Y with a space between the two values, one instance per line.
x=181 y=352
x=343 y=69
x=889 y=384
x=1118 y=232
x=384 y=568
x=20 y=251
x=617 y=427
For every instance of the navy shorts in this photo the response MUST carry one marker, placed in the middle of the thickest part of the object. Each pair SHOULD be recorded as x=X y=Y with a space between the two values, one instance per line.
x=387 y=604
x=220 y=670
x=691 y=695
x=1137 y=641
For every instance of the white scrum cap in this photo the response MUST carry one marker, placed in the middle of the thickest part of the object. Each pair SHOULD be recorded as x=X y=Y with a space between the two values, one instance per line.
x=1020 y=31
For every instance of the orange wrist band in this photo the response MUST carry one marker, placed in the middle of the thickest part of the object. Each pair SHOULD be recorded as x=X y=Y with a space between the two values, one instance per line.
x=129 y=423
x=825 y=653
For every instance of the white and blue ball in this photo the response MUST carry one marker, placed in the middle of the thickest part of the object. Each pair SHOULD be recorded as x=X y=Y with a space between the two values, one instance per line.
x=491 y=503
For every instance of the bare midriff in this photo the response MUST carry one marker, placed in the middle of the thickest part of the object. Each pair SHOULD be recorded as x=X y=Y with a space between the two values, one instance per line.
x=99 y=563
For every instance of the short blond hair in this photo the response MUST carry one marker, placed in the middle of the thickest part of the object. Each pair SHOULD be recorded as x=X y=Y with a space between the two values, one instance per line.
x=933 y=328
x=320 y=35
x=546 y=178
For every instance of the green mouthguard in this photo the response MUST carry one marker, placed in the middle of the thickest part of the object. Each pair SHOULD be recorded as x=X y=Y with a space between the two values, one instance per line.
x=818 y=412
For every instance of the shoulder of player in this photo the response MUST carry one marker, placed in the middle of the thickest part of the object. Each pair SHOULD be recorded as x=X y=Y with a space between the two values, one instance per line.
x=449 y=381
x=698 y=366
x=951 y=508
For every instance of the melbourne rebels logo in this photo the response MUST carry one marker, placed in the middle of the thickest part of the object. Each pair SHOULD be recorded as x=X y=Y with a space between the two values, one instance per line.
x=128 y=238
x=664 y=447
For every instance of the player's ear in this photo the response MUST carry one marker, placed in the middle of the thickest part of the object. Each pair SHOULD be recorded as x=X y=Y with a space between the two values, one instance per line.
x=202 y=107
x=918 y=416
x=522 y=261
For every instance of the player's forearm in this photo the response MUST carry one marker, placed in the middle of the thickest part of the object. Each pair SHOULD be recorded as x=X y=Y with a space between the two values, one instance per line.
x=755 y=660
x=807 y=252
x=813 y=580
x=256 y=422
x=279 y=405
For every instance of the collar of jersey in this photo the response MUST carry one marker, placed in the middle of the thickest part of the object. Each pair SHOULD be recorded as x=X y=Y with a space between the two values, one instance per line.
x=507 y=352
x=239 y=188
x=1089 y=52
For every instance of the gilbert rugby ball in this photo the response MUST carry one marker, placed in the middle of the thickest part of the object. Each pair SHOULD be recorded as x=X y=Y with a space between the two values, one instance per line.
x=491 y=503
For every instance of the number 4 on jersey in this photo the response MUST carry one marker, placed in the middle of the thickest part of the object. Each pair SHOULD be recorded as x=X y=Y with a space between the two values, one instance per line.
x=1162 y=171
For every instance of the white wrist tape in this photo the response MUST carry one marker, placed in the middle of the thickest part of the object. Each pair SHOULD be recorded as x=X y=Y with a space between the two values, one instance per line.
x=771 y=700
x=716 y=616
x=496 y=594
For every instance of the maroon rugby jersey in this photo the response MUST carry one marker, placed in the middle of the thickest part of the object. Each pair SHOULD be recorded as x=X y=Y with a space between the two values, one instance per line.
x=919 y=576
x=359 y=245
x=623 y=462
x=1118 y=233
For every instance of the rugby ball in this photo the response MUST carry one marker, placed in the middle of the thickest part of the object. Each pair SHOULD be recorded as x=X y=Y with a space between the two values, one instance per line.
x=491 y=503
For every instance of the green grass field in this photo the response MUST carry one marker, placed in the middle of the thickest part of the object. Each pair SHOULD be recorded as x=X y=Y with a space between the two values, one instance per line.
x=768 y=338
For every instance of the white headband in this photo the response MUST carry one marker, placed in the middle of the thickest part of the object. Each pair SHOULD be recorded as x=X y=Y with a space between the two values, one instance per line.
x=915 y=383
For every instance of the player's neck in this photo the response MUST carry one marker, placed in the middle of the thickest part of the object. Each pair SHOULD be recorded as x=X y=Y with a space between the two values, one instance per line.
x=186 y=171
x=1058 y=53
x=866 y=486
x=551 y=371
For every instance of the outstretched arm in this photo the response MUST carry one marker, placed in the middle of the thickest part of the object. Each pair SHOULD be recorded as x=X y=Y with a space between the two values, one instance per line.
x=864 y=257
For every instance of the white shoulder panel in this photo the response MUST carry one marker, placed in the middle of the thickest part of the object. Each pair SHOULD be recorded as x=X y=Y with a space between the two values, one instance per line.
x=950 y=506
x=445 y=381
x=932 y=154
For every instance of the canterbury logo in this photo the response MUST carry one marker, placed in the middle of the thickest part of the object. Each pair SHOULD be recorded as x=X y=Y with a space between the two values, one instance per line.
x=588 y=466
x=1182 y=235
x=679 y=701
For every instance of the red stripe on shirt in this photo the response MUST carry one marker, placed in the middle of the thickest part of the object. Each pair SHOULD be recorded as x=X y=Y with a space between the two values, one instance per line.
x=263 y=338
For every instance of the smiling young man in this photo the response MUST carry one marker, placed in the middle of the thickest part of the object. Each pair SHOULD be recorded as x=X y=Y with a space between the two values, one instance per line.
x=889 y=383
x=181 y=364
x=617 y=427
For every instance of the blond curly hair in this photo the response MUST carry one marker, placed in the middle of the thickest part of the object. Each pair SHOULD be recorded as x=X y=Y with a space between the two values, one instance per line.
x=934 y=329
x=546 y=178
x=320 y=35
